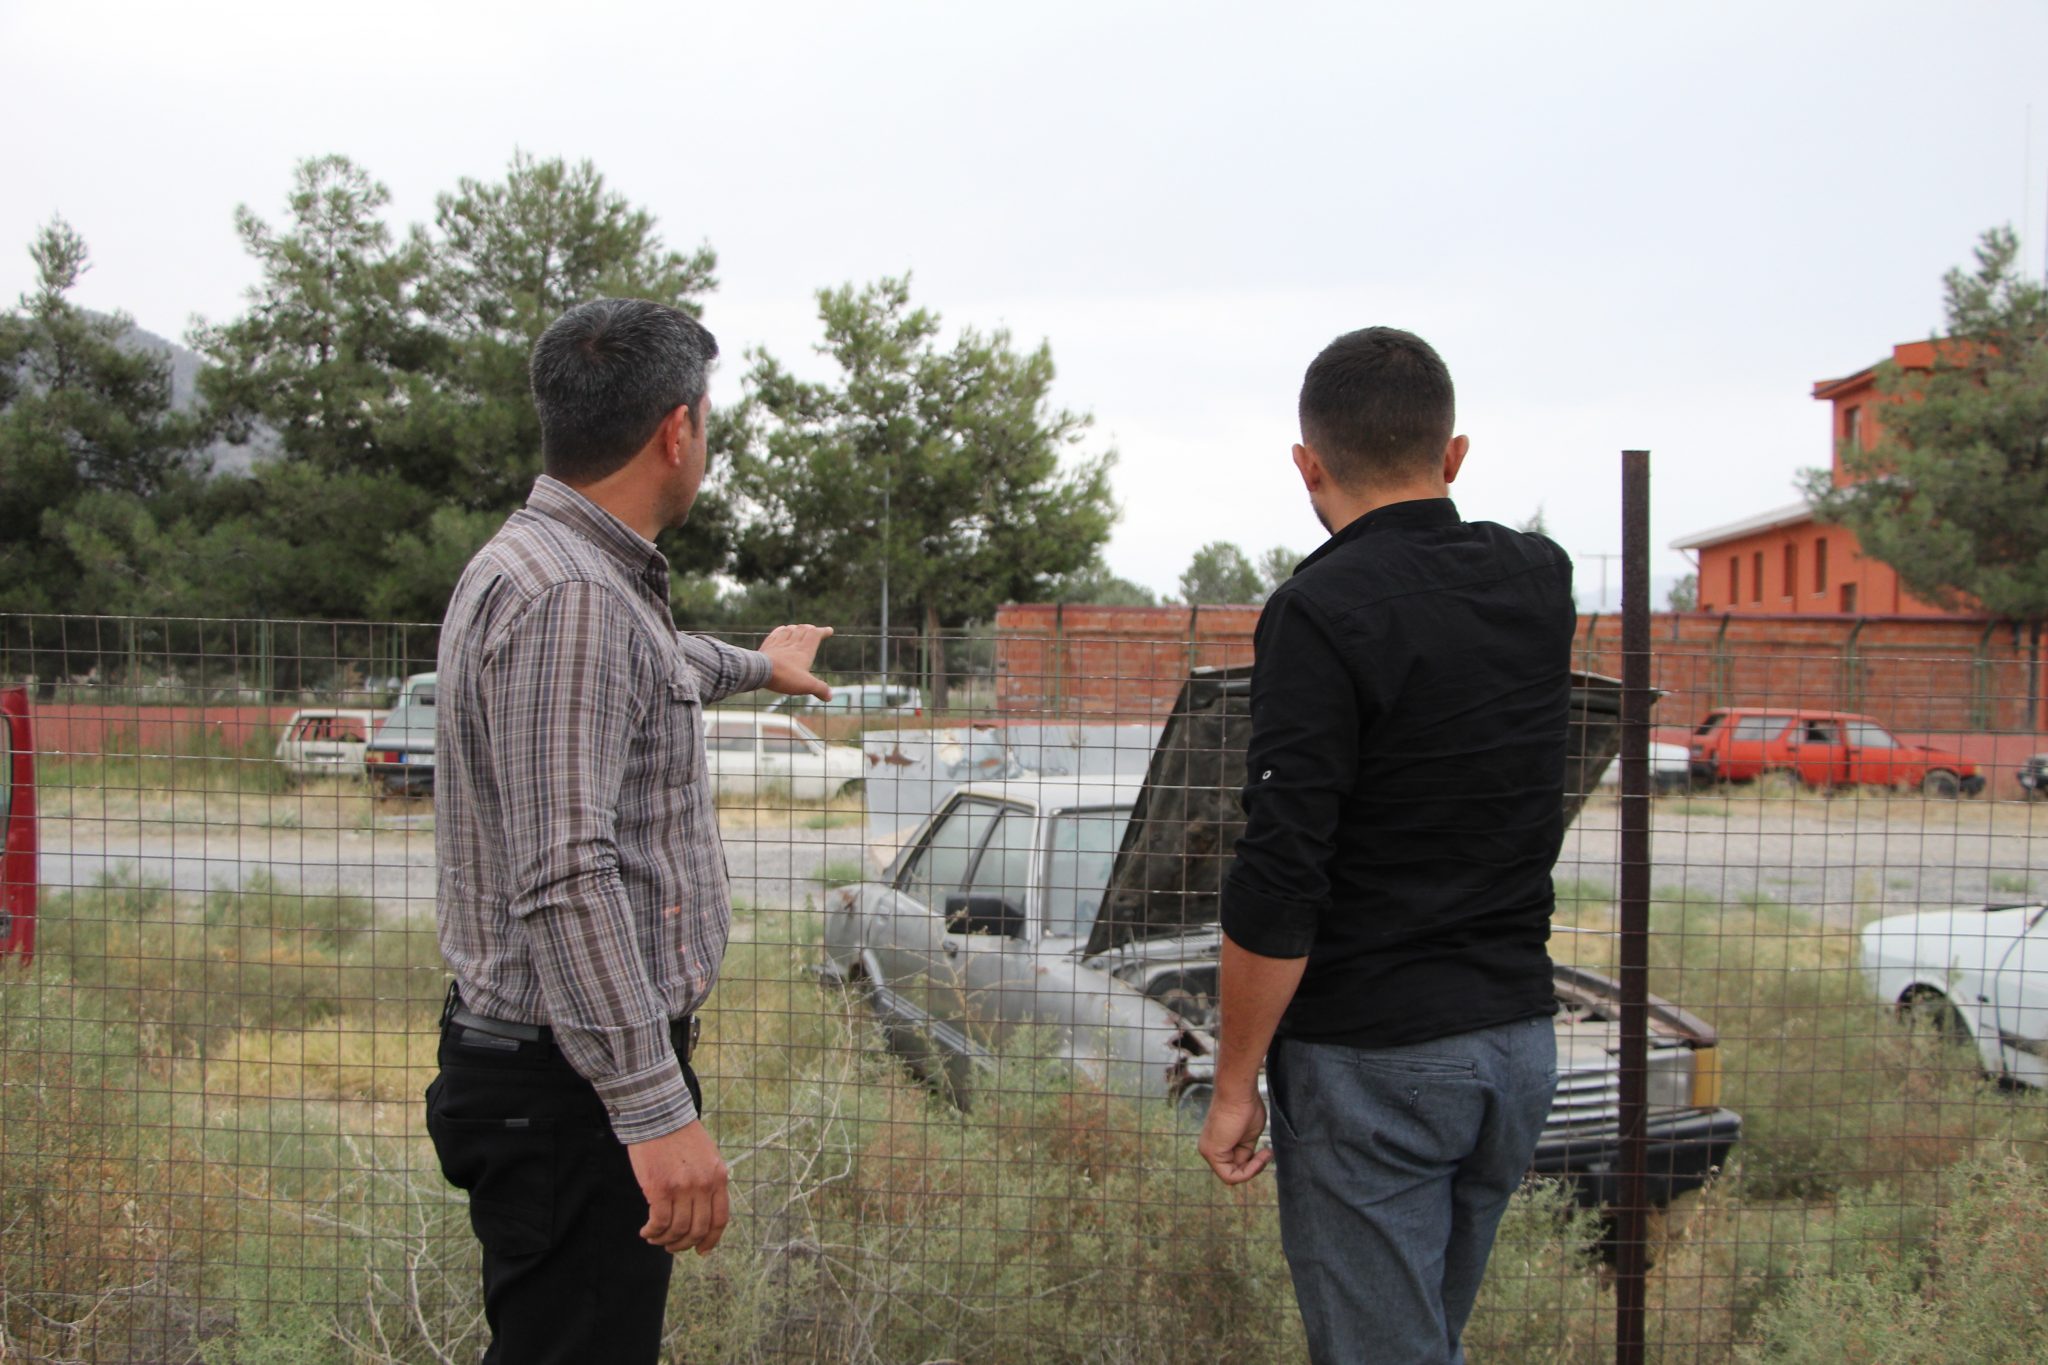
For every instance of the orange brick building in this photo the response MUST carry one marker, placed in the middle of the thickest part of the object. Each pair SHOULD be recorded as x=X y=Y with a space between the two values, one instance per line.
x=1783 y=561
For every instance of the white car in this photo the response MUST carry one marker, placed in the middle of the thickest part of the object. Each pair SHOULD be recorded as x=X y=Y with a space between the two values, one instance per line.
x=1977 y=975
x=750 y=752
x=1670 y=769
x=857 y=699
x=989 y=923
x=326 y=742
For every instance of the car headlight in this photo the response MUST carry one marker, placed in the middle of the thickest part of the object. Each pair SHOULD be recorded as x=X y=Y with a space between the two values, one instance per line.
x=1672 y=1075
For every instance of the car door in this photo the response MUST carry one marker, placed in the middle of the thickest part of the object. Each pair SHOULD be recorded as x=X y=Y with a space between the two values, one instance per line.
x=986 y=958
x=1875 y=757
x=908 y=932
x=732 y=754
x=781 y=756
x=1749 y=743
x=1821 y=753
x=292 y=749
x=808 y=767
x=2019 y=995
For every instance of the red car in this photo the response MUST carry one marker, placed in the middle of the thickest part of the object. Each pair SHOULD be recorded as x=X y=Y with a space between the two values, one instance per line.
x=1822 y=749
x=17 y=826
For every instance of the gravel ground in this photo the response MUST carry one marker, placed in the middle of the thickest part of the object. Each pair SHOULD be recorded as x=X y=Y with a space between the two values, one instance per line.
x=1846 y=859
x=775 y=860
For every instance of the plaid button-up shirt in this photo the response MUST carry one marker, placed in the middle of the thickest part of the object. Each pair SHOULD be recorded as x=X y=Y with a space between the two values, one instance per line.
x=582 y=881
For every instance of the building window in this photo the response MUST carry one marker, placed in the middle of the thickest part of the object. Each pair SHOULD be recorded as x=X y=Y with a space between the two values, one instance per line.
x=1791 y=568
x=1848 y=599
x=1756 y=577
x=1734 y=579
x=1820 y=567
x=1852 y=428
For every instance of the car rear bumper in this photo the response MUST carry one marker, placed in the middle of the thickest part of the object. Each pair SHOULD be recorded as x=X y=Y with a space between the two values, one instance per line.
x=414 y=776
x=1684 y=1149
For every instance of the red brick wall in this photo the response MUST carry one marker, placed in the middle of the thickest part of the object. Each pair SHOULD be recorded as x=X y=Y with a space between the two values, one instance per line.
x=1128 y=662
x=85 y=729
x=1914 y=673
x=1945 y=674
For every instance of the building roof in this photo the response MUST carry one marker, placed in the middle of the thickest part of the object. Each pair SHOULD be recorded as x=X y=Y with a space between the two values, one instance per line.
x=1748 y=526
x=1907 y=355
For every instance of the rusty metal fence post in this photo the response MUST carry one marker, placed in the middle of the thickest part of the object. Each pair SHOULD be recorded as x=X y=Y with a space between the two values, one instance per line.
x=1632 y=1214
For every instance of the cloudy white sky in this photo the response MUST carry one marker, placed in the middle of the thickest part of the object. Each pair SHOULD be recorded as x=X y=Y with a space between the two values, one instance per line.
x=1622 y=224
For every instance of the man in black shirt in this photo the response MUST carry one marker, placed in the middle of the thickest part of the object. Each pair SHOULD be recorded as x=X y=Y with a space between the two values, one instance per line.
x=1386 y=916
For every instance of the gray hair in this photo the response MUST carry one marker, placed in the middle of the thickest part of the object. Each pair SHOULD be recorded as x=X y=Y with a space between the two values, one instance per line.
x=606 y=373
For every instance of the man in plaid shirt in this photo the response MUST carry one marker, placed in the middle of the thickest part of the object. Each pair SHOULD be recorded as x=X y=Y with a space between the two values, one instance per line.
x=583 y=903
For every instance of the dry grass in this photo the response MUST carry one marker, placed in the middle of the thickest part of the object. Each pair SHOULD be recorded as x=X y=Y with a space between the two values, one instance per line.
x=210 y=1114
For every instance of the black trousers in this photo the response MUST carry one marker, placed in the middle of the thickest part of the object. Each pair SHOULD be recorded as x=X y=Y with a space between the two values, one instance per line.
x=553 y=1200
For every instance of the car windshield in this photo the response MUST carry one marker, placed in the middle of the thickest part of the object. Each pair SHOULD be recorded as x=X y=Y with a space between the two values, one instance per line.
x=1081 y=847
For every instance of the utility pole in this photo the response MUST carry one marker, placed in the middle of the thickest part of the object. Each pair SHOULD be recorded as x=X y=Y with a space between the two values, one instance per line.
x=886 y=481
x=1605 y=560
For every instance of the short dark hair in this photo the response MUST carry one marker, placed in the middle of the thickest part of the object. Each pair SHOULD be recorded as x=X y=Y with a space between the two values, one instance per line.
x=605 y=373
x=1378 y=405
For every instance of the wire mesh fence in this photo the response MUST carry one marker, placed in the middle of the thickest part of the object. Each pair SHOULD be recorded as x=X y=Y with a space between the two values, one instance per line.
x=958 y=1051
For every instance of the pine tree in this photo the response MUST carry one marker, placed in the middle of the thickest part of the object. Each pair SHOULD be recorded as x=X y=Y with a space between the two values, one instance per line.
x=1221 y=573
x=92 y=459
x=1954 y=496
x=937 y=466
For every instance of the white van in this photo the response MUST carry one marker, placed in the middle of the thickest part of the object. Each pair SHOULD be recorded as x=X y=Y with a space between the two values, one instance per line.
x=400 y=759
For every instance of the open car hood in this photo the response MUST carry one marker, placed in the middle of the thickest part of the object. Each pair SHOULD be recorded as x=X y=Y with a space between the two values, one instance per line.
x=1169 y=871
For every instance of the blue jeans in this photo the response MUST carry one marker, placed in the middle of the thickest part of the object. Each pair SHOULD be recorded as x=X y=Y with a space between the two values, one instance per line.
x=1394 y=1167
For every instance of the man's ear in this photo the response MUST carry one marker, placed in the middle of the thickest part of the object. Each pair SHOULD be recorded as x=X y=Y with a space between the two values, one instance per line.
x=677 y=428
x=1454 y=456
x=1310 y=466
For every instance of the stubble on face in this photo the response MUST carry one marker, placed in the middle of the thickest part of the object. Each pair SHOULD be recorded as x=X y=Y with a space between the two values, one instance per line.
x=681 y=492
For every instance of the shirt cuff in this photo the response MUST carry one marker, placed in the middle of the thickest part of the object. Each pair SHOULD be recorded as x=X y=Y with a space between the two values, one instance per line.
x=648 y=1104
x=1269 y=925
x=752 y=666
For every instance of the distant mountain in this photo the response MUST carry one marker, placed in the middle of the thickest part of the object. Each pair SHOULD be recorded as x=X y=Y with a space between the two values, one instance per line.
x=185 y=366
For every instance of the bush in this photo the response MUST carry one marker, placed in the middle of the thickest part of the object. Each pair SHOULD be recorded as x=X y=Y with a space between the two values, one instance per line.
x=1904 y=1282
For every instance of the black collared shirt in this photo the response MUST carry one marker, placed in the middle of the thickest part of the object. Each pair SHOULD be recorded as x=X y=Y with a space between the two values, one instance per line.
x=1405 y=778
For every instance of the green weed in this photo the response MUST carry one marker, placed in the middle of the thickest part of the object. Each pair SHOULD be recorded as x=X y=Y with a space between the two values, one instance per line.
x=212 y=1110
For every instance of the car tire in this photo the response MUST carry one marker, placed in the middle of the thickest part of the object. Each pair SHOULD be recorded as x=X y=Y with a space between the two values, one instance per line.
x=1941 y=783
x=1927 y=1010
x=853 y=786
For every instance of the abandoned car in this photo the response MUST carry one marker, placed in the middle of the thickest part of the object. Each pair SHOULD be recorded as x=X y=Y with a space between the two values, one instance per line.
x=1081 y=913
x=1976 y=975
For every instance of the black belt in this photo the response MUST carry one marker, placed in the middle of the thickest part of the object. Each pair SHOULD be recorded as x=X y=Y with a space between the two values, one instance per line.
x=683 y=1032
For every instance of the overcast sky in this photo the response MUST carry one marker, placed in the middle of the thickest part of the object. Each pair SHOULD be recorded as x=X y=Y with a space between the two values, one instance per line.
x=1622 y=224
